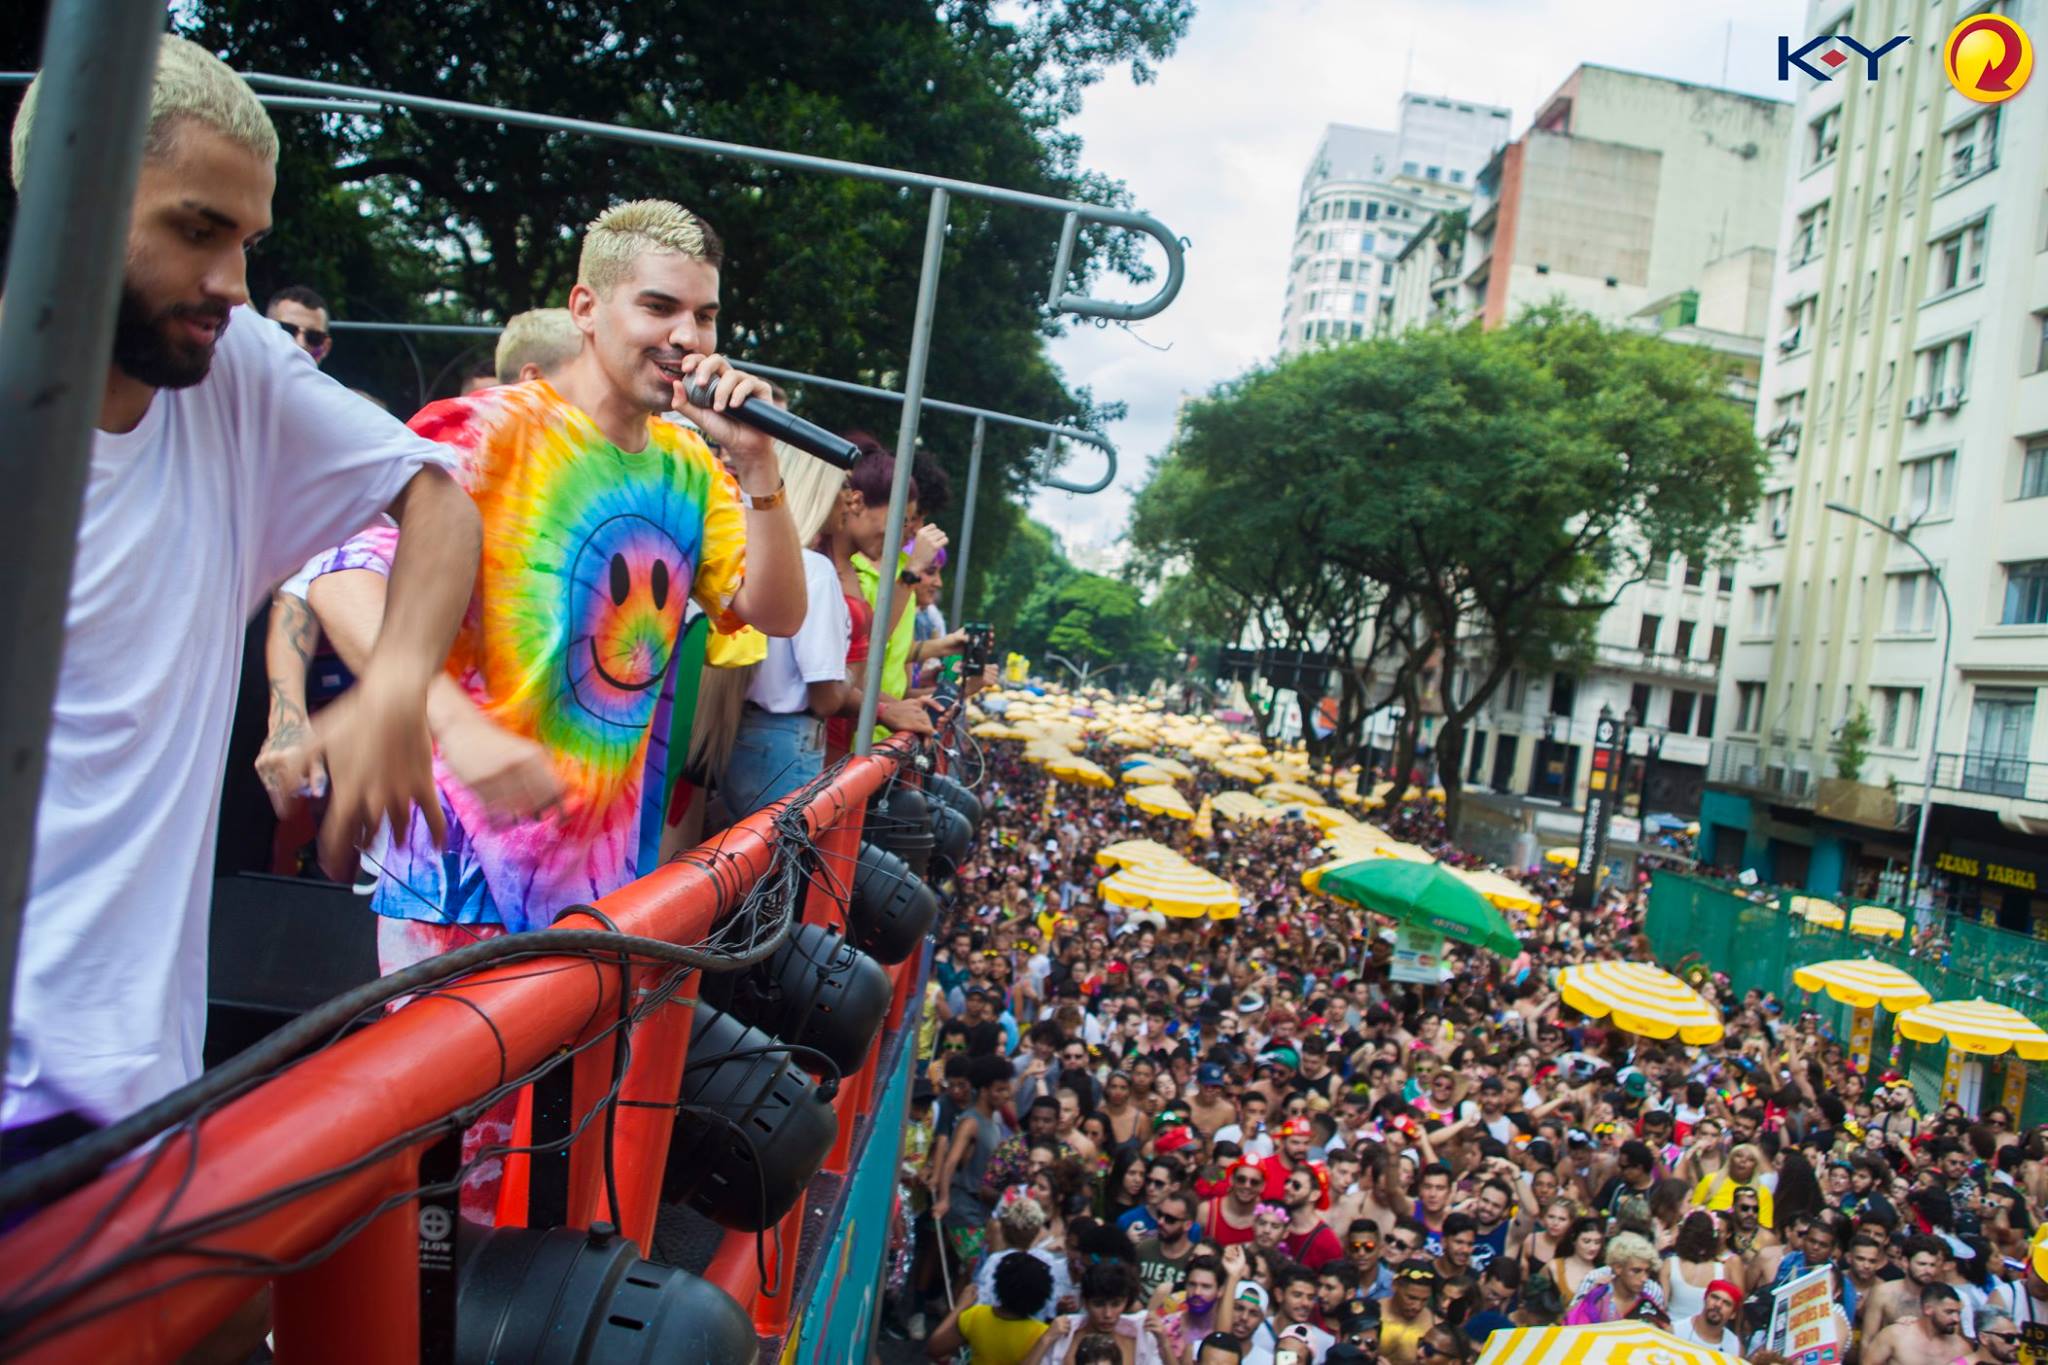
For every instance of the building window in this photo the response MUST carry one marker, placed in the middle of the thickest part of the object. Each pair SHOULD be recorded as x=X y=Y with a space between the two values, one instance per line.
x=2034 y=469
x=1435 y=173
x=1969 y=149
x=1928 y=487
x=1366 y=243
x=1354 y=209
x=1344 y=270
x=1411 y=168
x=1695 y=573
x=1898 y=716
x=1646 y=633
x=1749 y=707
x=1682 y=703
x=1564 y=693
x=1912 y=602
x=1457 y=177
x=2026 y=594
x=1387 y=273
x=1372 y=210
x=2040 y=342
x=2001 y=730
x=1716 y=644
x=1639 y=702
x=1724 y=581
x=1958 y=260
x=1823 y=137
x=1706 y=718
x=1797 y=331
x=1810 y=234
x=1682 y=645
x=1658 y=569
x=1942 y=377
x=1778 y=513
x=1357 y=331
x=1763 y=610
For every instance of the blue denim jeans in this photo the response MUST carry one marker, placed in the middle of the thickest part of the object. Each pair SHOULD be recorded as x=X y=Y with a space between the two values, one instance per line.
x=772 y=755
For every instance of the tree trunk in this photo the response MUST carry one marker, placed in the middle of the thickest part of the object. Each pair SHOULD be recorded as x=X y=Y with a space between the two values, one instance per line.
x=1450 y=760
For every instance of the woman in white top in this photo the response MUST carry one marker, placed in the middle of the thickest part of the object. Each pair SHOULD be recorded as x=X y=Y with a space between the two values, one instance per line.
x=1697 y=1260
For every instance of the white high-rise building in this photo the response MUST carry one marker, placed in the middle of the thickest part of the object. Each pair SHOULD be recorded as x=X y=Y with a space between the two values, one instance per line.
x=1364 y=195
x=1906 y=378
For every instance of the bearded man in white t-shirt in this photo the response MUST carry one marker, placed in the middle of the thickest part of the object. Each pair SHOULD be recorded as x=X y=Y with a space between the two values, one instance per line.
x=224 y=458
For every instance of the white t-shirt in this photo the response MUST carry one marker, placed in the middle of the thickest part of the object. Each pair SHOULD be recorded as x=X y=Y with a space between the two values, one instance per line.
x=1684 y=1330
x=189 y=521
x=816 y=653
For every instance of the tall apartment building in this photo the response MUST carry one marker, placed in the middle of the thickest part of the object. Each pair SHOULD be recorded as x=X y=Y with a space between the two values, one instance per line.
x=1651 y=203
x=1365 y=193
x=1906 y=378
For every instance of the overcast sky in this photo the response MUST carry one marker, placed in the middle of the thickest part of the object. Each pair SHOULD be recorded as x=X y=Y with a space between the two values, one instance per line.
x=1216 y=146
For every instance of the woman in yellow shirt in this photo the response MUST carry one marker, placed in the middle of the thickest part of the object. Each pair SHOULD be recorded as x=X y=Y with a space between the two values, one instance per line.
x=1003 y=1333
x=1717 y=1191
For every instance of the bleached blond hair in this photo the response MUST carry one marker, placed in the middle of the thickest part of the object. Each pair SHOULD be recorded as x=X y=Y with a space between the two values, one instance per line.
x=545 y=337
x=625 y=232
x=191 y=83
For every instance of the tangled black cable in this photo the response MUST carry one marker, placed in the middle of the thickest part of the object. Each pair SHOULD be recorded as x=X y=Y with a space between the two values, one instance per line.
x=745 y=933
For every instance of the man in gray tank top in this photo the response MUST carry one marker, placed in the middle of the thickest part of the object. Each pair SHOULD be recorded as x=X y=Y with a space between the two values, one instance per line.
x=959 y=1208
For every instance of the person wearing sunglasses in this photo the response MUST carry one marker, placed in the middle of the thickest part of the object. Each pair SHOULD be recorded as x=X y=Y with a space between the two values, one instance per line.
x=1998 y=1340
x=303 y=315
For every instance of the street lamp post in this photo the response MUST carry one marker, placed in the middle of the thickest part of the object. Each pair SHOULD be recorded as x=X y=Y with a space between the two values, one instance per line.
x=1940 y=693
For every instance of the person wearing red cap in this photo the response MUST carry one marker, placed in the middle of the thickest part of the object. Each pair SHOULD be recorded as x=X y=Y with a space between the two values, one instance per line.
x=1291 y=1154
x=1309 y=1239
x=1709 y=1326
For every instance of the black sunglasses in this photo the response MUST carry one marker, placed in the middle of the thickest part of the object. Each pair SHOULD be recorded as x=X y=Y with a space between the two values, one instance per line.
x=313 y=336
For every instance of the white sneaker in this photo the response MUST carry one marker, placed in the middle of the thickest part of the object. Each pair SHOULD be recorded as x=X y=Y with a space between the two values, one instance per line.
x=917 y=1332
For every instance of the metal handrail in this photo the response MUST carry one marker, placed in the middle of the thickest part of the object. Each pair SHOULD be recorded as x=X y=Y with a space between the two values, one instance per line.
x=1073 y=211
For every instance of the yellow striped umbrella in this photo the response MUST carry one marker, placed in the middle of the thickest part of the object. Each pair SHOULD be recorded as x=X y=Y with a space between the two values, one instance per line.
x=1504 y=892
x=1131 y=852
x=1237 y=769
x=1124 y=739
x=1170 y=765
x=1245 y=749
x=1816 y=911
x=1394 y=848
x=1863 y=982
x=1563 y=856
x=1327 y=818
x=1359 y=838
x=1644 y=1000
x=1606 y=1343
x=1179 y=889
x=1874 y=921
x=1978 y=1026
x=1235 y=805
x=1080 y=770
x=1292 y=791
x=1160 y=800
x=995 y=729
x=1145 y=775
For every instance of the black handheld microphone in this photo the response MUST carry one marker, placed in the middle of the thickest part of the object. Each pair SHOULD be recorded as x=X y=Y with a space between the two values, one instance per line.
x=786 y=427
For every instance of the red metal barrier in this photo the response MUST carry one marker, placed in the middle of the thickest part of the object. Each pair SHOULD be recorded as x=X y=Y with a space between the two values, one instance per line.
x=405 y=1070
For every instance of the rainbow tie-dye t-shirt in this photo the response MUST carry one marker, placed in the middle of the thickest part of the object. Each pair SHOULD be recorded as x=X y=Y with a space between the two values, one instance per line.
x=588 y=554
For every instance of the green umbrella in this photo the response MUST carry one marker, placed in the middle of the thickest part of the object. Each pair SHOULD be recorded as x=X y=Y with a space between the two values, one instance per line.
x=1428 y=895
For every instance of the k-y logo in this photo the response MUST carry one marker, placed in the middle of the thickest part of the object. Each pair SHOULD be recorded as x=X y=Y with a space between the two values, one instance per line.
x=1827 y=51
x=1988 y=58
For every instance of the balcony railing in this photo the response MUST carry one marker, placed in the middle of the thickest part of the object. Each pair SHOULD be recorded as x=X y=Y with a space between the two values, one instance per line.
x=1992 y=775
x=1627 y=660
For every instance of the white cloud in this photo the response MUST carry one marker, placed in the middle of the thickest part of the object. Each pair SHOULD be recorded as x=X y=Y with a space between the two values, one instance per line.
x=1216 y=146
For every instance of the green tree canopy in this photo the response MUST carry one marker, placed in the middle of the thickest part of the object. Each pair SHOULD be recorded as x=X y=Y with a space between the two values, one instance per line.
x=419 y=217
x=1455 y=502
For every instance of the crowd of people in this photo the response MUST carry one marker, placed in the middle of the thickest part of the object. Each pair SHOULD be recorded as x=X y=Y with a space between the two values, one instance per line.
x=1204 y=1142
